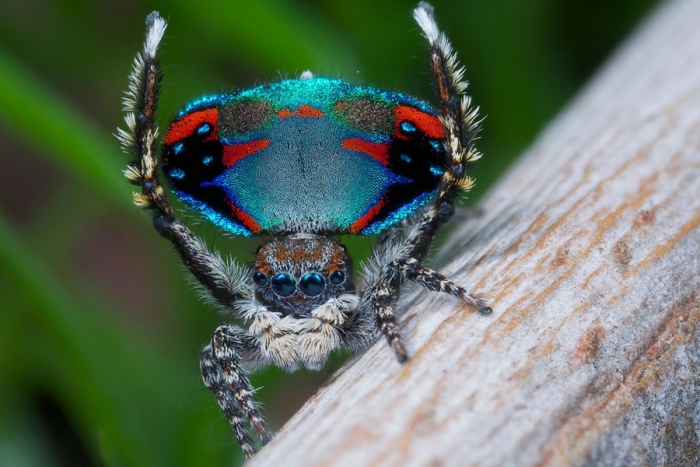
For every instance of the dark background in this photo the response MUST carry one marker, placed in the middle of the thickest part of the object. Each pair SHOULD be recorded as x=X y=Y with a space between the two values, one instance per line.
x=99 y=331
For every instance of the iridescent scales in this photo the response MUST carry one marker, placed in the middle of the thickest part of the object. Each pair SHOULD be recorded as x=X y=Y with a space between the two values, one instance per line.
x=305 y=155
x=302 y=160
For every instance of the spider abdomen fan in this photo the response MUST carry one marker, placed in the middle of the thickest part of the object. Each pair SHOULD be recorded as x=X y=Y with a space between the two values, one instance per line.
x=305 y=155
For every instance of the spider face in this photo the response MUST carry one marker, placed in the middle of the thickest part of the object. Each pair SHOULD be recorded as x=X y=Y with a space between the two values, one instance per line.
x=296 y=274
x=302 y=160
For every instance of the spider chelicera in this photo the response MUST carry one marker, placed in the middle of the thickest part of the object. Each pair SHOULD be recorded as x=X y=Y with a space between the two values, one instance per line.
x=302 y=160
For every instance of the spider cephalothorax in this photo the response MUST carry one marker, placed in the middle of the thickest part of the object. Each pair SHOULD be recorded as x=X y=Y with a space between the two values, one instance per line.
x=301 y=160
x=296 y=274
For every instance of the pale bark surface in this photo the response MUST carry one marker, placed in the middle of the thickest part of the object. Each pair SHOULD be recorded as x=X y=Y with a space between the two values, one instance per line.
x=588 y=252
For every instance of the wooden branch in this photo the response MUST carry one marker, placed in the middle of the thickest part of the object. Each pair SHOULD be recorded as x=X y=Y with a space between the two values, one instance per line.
x=588 y=251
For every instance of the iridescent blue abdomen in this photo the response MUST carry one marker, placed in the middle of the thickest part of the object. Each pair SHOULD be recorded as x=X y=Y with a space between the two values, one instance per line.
x=305 y=155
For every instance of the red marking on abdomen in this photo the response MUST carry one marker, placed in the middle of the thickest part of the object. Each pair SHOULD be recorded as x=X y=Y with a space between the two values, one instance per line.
x=305 y=111
x=364 y=221
x=379 y=151
x=426 y=123
x=236 y=152
x=244 y=218
x=188 y=125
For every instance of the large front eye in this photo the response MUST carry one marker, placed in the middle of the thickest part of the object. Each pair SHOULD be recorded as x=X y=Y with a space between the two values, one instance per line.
x=283 y=285
x=312 y=284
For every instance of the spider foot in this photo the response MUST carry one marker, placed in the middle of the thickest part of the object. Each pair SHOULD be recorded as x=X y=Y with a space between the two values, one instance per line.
x=399 y=350
x=224 y=376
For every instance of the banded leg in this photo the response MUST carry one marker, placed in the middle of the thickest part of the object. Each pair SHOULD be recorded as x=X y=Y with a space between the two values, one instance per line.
x=221 y=280
x=432 y=280
x=223 y=374
x=381 y=297
x=382 y=284
x=381 y=294
x=461 y=126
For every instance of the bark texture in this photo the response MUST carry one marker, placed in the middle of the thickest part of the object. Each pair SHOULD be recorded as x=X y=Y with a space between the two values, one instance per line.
x=588 y=252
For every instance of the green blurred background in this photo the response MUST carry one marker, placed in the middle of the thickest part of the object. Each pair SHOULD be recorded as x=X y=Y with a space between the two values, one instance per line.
x=99 y=332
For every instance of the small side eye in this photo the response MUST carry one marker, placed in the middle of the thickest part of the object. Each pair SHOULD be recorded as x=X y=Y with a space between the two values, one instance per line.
x=337 y=277
x=260 y=279
x=283 y=285
x=312 y=284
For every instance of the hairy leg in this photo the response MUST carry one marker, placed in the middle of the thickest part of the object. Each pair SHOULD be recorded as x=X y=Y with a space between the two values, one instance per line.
x=224 y=375
x=223 y=282
x=404 y=261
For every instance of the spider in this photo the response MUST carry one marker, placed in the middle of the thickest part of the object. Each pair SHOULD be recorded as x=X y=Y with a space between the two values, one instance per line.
x=302 y=160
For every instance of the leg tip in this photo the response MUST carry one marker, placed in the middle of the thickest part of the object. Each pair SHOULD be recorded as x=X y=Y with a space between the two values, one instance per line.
x=485 y=311
x=266 y=439
x=399 y=351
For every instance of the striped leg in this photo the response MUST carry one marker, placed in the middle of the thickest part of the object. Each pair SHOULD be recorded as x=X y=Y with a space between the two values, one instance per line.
x=393 y=268
x=403 y=260
x=222 y=281
x=461 y=126
x=381 y=297
x=432 y=280
x=223 y=374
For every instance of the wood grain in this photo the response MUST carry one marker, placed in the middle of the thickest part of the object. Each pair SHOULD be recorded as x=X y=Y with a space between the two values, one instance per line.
x=588 y=251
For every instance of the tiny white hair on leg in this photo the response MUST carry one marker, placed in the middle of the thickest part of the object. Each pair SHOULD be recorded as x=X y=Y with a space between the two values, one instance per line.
x=127 y=141
x=156 y=28
x=133 y=97
x=320 y=335
x=249 y=308
x=376 y=265
x=226 y=274
x=423 y=14
x=276 y=336
x=231 y=276
x=333 y=311
x=133 y=174
x=348 y=301
x=130 y=120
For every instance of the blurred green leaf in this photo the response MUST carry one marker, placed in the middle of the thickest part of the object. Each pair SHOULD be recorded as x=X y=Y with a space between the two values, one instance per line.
x=42 y=119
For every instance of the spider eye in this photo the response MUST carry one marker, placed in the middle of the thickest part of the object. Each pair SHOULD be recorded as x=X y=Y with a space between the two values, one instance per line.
x=312 y=284
x=260 y=279
x=283 y=285
x=337 y=277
